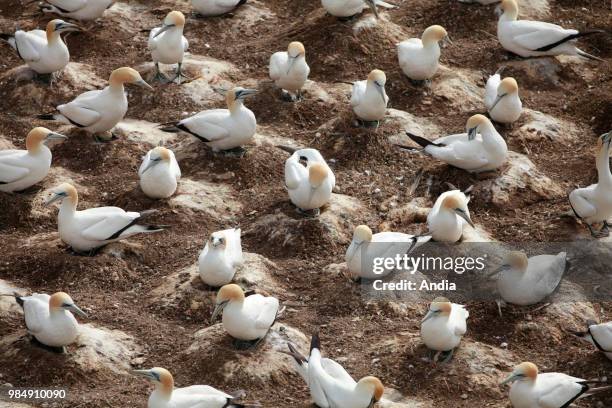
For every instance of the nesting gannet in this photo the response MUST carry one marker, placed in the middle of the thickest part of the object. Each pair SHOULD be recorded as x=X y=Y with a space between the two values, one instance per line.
x=330 y=384
x=195 y=396
x=99 y=111
x=210 y=8
x=95 y=227
x=536 y=38
x=168 y=45
x=443 y=326
x=369 y=99
x=593 y=204
x=221 y=129
x=247 y=319
x=289 y=70
x=448 y=216
x=599 y=335
x=349 y=8
x=84 y=10
x=49 y=318
x=531 y=389
x=220 y=257
x=365 y=247
x=479 y=150
x=159 y=173
x=20 y=169
x=419 y=57
x=502 y=99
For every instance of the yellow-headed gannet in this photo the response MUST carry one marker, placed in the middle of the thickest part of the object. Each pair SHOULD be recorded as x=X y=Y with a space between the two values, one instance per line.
x=211 y=8
x=20 y=169
x=593 y=204
x=419 y=57
x=289 y=70
x=195 y=396
x=247 y=319
x=168 y=45
x=365 y=247
x=99 y=111
x=599 y=335
x=546 y=390
x=350 y=8
x=93 y=228
x=159 y=173
x=222 y=129
x=84 y=10
x=369 y=99
x=448 y=216
x=536 y=38
x=502 y=98
x=443 y=326
x=220 y=257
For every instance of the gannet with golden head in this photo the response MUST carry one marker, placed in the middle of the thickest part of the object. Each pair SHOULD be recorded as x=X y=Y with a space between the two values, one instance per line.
x=159 y=173
x=369 y=99
x=502 y=99
x=289 y=70
x=599 y=335
x=93 y=228
x=443 y=326
x=350 y=8
x=166 y=396
x=448 y=216
x=419 y=57
x=20 y=169
x=168 y=45
x=220 y=258
x=211 y=8
x=84 y=10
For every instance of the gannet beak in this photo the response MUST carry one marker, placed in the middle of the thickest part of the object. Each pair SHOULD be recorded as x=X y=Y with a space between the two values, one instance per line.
x=464 y=215
x=293 y=59
x=381 y=91
x=428 y=316
x=499 y=270
x=447 y=40
x=512 y=377
x=373 y=401
x=372 y=5
x=164 y=29
x=74 y=308
x=473 y=132
x=143 y=84
x=499 y=98
x=55 y=197
x=152 y=163
x=218 y=310
x=246 y=92
x=143 y=373
x=55 y=136
x=65 y=27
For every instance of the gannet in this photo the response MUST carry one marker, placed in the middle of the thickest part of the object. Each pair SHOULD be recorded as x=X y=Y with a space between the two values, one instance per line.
x=221 y=129
x=365 y=247
x=448 y=216
x=220 y=257
x=195 y=396
x=443 y=326
x=599 y=335
x=536 y=38
x=330 y=384
x=246 y=319
x=159 y=173
x=350 y=8
x=84 y=10
x=20 y=169
x=479 y=150
x=502 y=99
x=419 y=57
x=168 y=45
x=369 y=99
x=546 y=390
x=43 y=51
x=93 y=228
x=593 y=204
x=210 y=8
x=289 y=70
x=99 y=111
x=49 y=319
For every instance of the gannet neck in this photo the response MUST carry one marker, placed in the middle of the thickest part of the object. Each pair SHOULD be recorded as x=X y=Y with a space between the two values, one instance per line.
x=603 y=165
x=511 y=11
x=164 y=389
x=235 y=106
x=52 y=35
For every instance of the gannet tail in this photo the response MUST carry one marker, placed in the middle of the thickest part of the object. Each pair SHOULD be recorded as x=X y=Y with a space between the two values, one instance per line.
x=593 y=391
x=568 y=38
x=10 y=39
x=587 y=55
x=48 y=116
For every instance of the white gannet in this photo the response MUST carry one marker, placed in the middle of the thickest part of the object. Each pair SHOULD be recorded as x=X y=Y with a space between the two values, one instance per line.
x=99 y=111
x=479 y=150
x=43 y=51
x=330 y=384
x=220 y=257
x=168 y=45
x=419 y=57
x=49 y=319
x=349 y=8
x=195 y=396
x=448 y=216
x=593 y=204
x=211 y=8
x=221 y=129
x=20 y=169
x=84 y=10
x=369 y=99
x=599 y=335
x=289 y=70
x=247 y=319
x=365 y=247
x=536 y=38
x=159 y=173
x=443 y=326
x=93 y=228
x=546 y=390
x=502 y=99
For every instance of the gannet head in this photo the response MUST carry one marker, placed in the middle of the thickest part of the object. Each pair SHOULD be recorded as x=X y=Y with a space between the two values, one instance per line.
x=64 y=190
x=158 y=155
x=362 y=234
x=516 y=260
x=475 y=124
x=160 y=377
x=434 y=34
x=509 y=8
x=457 y=204
x=61 y=301
x=440 y=306
x=228 y=293
x=372 y=386
x=128 y=75
x=294 y=51
x=40 y=135
x=604 y=140
x=237 y=94
x=57 y=26
x=172 y=20
x=506 y=87
x=378 y=79
x=317 y=173
x=372 y=5
x=218 y=240
x=523 y=372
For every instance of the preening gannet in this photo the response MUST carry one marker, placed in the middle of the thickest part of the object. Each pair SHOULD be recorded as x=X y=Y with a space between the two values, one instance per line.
x=221 y=129
x=536 y=38
x=159 y=173
x=83 y=10
x=95 y=227
x=419 y=57
x=480 y=149
x=369 y=99
x=195 y=396
x=448 y=216
x=168 y=45
x=20 y=169
x=99 y=111
x=443 y=326
x=49 y=318
x=246 y=319
x=330 y=384
x=502 y=99
x=599 y=335
x=546 y=390
x=365 y=247
x=593 y=204
x=350 y=8
x=211 y=8
x=220 y=257
x=289 y=70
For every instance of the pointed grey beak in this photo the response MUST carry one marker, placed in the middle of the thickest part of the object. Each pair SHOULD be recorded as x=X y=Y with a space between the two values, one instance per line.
x=381 y=91
x=502 y=268
x=447 y=40
x=55 y=136
x=163 y=30
x=74 y=308
x=152 y=163
x=218 y=309
x=141 y=83
x=472 y=133
x=511 y=378
x=66 y=27
x=148 y=374
x=55 y=197
x=429 y=315
x=464 y=215
x=293 y=59
x=499 y=98
x=372 y=5
x=246 y=92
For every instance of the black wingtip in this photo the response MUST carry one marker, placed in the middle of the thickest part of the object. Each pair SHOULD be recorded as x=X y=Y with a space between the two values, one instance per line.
x=421 y=141
x=155 y=228
x=315 y=342
x=241 y=2
x=46 y=116
x=6 y=37
x=18 y=299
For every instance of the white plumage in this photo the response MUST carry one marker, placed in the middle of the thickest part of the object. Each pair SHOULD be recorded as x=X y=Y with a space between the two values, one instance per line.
x=502 y=99
x=159 y=173
x=419 y=57
x=220 y=257
x=308 y=179
x=349 y=8
x=167 y=43
x=600 y=335
x=448 y=216
x=444 y=325
x=215 y=7
x=288 y=69
x=83 y=10
x=369 y=99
